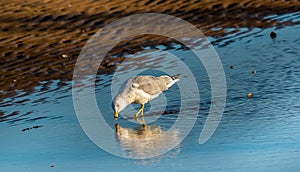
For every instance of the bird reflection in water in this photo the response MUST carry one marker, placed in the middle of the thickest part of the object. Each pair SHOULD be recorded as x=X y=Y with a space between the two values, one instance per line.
x=147 y=141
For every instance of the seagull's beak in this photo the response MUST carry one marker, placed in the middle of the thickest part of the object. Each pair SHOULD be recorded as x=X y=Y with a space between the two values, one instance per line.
x=116 y=115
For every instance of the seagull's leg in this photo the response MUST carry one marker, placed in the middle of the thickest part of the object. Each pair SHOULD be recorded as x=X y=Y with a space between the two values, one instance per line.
x=141 y=110
x=137 y=114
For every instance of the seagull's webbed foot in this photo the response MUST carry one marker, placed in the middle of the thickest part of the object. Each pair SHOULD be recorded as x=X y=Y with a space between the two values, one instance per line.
x=141 y=121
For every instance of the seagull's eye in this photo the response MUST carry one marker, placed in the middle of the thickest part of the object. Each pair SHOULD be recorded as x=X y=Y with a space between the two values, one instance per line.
x=117 y=105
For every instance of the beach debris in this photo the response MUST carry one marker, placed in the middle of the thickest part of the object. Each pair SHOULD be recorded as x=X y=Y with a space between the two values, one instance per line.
x=249 y=95
x=273 y=35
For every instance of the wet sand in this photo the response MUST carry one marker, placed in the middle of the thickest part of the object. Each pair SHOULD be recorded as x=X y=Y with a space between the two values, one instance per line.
x=41 y=40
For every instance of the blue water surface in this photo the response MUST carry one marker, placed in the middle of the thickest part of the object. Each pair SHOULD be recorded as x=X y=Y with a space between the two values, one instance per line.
x=40 y=131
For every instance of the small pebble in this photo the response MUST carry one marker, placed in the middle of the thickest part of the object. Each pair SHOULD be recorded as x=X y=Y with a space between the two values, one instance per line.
x=273 y=35
x=250 y=95
x=64 y=56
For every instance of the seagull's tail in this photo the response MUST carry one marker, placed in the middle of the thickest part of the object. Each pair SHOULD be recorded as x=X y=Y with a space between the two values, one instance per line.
x=176 y=77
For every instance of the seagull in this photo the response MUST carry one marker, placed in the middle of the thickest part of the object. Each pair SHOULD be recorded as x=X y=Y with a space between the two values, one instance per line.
x=142 y=89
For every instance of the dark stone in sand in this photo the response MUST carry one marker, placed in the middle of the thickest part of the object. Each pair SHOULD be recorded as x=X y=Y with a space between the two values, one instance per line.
x=273 y=35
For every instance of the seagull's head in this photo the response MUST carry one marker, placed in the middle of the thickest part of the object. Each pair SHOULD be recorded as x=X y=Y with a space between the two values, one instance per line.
x=119 y=105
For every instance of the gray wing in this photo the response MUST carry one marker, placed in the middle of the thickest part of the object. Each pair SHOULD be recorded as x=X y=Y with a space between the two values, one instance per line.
x=149 y=84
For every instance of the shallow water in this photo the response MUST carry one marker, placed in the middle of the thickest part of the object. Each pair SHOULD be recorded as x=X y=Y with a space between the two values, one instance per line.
x=40 y=131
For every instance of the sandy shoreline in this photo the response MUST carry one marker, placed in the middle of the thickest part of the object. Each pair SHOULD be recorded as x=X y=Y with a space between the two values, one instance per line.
x=34 y=35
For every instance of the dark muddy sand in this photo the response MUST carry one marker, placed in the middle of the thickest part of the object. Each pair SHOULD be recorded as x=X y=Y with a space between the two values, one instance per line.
x=41 y=40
